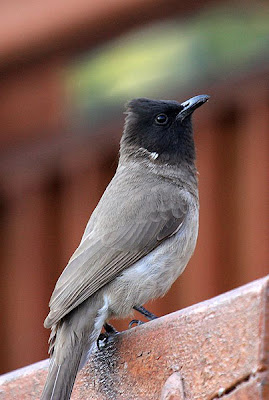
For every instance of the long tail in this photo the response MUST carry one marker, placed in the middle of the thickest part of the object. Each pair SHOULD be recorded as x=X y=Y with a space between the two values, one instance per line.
x=71 y=342
x=61 y=377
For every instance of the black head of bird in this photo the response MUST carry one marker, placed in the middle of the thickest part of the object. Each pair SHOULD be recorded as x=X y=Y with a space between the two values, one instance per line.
x=162 y=127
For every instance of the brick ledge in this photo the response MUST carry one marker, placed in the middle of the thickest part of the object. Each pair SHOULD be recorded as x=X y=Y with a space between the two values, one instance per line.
x=215 y=349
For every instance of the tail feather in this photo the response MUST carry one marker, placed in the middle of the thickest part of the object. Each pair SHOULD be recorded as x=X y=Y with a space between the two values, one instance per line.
x=71 y=342
x=61 y=379
x=66 y=349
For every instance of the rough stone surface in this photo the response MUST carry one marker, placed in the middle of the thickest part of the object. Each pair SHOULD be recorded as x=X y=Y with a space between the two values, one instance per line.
x=215 y=349
x=173 y=388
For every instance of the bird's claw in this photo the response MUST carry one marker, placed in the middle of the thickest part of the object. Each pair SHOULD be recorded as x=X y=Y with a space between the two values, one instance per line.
x=103 y=338
x=135 y=322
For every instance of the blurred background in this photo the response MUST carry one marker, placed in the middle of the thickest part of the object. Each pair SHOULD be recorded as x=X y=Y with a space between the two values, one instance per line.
x=66 y=70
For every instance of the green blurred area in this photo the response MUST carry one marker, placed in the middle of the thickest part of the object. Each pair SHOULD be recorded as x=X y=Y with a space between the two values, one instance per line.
x=166 y=57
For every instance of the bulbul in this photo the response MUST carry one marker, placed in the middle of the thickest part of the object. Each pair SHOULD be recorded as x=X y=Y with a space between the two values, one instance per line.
x=138 y=240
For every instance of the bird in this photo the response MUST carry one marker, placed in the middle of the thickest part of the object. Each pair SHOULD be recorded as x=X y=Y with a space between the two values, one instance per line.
x=137 y=241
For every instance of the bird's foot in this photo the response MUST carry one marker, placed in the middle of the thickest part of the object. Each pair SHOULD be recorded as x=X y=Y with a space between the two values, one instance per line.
x=135 y=322
x=104 y=337
x=110 y=329
x=142 y=310
x=102 y=340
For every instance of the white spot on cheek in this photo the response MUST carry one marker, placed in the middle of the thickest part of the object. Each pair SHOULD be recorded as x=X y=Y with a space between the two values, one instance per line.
x=154 y=155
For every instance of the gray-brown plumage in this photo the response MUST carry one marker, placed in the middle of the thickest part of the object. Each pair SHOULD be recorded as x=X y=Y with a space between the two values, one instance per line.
x=138 y=240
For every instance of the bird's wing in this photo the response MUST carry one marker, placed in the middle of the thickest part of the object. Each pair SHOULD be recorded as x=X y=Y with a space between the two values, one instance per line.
x=126 y=226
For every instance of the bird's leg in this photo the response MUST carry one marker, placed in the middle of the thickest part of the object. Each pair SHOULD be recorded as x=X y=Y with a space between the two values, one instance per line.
x=103 y=337
x=142 y=310
x=109 y=328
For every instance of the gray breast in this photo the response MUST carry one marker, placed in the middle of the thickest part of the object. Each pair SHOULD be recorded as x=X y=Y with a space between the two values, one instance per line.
x=152 y=276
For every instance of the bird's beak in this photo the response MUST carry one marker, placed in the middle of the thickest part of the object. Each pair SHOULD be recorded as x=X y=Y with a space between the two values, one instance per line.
x=190 y=105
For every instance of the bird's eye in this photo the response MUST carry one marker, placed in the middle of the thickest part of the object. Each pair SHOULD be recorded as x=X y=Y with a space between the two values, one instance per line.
x=161 y=119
